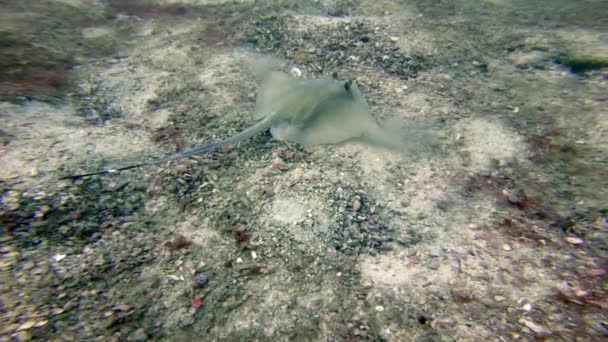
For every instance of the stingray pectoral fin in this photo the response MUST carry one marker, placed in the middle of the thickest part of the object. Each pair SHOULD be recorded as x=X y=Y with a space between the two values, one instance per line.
x=335 y=120
x=249 y=132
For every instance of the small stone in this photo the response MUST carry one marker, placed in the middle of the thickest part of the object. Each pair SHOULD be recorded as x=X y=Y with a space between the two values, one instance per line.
x=356 y=204
x=596 y=272
x=278 y=164
x=27 y=325
x=394 y=39
x=28 y=265
x=196 y=303
x=379 y=308
x=59 y=257
x=201 y=280
x=139 y=335
x=443 y=205
x=480 y=243
x=173 y=277
x=574 y=240
x=527 y=307
x=22 y=336
x=57 y=311
x=254 y=255
x=506 y=247
x=534 y=327
x=121 y=307
x=499 y=298
x=239 y=260
x=40 y=323
x=295 y=72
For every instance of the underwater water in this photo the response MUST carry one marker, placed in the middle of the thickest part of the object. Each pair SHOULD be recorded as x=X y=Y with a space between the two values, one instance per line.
x=417 y=170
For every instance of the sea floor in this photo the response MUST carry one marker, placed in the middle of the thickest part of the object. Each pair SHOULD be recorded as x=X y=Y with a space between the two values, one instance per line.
x=499 y=233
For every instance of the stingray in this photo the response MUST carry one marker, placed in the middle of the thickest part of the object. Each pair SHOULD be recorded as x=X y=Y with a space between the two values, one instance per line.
x=308 y=112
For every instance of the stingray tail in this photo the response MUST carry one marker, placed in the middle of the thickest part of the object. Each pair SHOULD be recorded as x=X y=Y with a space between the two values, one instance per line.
x=249 y=132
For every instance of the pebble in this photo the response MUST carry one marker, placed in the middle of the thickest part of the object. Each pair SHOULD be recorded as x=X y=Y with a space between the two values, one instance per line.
x=394 y=39
x=28 y=265
x=480 y=243
x=533 y=326
x=59 y=257
x=277 y=164
x=356 y=204
x=506 y=247
x=22 y=336
x=201 y=280
x=175 y=278
x=379 y=308
x=40 y=323
x=27 y=325
x=239 y=260
x=596 y=272
x=121 y=307
x=139 y=335
x=296 y=72
x=574 y=240
x=499 y=298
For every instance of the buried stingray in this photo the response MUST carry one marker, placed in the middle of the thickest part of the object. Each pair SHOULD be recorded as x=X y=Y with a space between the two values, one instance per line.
x=307 y=112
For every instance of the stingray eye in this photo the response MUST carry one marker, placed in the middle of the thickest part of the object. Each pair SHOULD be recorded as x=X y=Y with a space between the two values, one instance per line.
x=347 y=85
